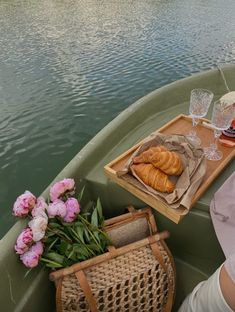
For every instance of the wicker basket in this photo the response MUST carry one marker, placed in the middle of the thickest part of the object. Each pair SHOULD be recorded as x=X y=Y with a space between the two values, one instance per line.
x=139 y=276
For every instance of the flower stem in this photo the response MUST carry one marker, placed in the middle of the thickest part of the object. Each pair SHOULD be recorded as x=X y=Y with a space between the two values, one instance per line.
x=64 y=236
x=95 y=227
x=86 y=223
x=79 y=240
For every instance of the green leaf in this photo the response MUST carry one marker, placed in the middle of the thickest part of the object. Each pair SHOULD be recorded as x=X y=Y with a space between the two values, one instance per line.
x=79 y=223
x=94 y=218
x=81 y=194
x=87 y=236
x=64 y=247
x=85 y=215
x=80 y=231
x=104 y=240
x=97 y=235
x=27 y=273
x=68 y=262
x=71 y=254
x=54 y=257
x=81 y=250
x=54 y=225
x=66 y=224
x=49 y=234
x=100 y=212
x=81 y=257
x=54 y=266
x=96 y=249
x=75 y=235
x=53 y=243
x=51 y=264
x=99 y=208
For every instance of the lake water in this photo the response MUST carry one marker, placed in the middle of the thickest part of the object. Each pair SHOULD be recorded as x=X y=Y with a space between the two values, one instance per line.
x=69 y=67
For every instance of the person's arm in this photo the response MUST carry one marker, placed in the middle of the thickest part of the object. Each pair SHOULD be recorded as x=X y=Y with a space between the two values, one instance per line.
x=227 y=281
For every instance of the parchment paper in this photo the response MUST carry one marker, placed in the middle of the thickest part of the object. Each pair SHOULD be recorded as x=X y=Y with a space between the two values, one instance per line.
x=186 y=184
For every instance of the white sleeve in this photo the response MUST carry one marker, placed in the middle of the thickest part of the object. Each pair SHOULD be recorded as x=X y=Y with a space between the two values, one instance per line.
x=230 y=266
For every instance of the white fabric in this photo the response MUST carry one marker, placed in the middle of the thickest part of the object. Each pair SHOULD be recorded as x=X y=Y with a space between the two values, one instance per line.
x=222 y=210
x=206 y=297
x=230 y=267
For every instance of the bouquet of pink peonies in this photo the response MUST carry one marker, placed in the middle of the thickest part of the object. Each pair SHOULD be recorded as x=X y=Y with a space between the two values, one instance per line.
x=59 y=232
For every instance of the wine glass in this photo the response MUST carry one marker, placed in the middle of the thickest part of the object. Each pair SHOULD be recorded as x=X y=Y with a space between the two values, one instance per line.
x=222 y=116
x=200 y=100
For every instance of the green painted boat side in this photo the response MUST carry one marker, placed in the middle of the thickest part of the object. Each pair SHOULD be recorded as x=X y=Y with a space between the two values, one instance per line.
x=193 y=241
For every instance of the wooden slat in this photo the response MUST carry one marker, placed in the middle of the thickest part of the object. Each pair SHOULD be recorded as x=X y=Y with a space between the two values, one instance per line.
x=181 y=124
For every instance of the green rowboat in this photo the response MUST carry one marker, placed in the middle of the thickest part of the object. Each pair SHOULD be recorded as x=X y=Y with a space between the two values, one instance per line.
x=193 y=242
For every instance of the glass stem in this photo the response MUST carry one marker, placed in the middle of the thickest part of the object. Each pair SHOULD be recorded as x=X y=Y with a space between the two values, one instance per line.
x=195 y=121
x=216 y=137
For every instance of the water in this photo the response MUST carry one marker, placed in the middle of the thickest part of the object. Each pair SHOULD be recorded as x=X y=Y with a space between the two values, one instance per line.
x=69 y=67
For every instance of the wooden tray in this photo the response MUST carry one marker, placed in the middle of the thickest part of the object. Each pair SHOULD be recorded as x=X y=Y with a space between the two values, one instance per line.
x=182 y=124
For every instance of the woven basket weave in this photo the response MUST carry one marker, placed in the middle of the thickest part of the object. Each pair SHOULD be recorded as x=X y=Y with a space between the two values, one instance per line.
x=139 y=276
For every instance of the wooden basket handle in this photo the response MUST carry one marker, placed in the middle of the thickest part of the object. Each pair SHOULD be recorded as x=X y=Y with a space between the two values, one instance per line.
x=84 y=284
x=106 y=256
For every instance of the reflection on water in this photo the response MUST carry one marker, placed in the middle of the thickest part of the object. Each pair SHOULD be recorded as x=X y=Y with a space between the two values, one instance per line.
x=67 y=65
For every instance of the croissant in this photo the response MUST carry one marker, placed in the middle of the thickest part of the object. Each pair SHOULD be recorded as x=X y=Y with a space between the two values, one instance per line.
x=144 y=156
x=154 y=177
x=169 y=162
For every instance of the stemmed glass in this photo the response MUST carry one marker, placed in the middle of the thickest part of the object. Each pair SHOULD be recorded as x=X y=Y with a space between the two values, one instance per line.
x=222 y=116
x=200 y=100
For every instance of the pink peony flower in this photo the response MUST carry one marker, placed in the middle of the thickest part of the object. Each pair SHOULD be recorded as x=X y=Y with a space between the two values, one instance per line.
x=37 y=248
x=40 y=207
x=38 y=226
x=24 y=204
x=31 y=257
x=24 y=241
x=57 y=208
x=73 y=209
x=59 y=188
